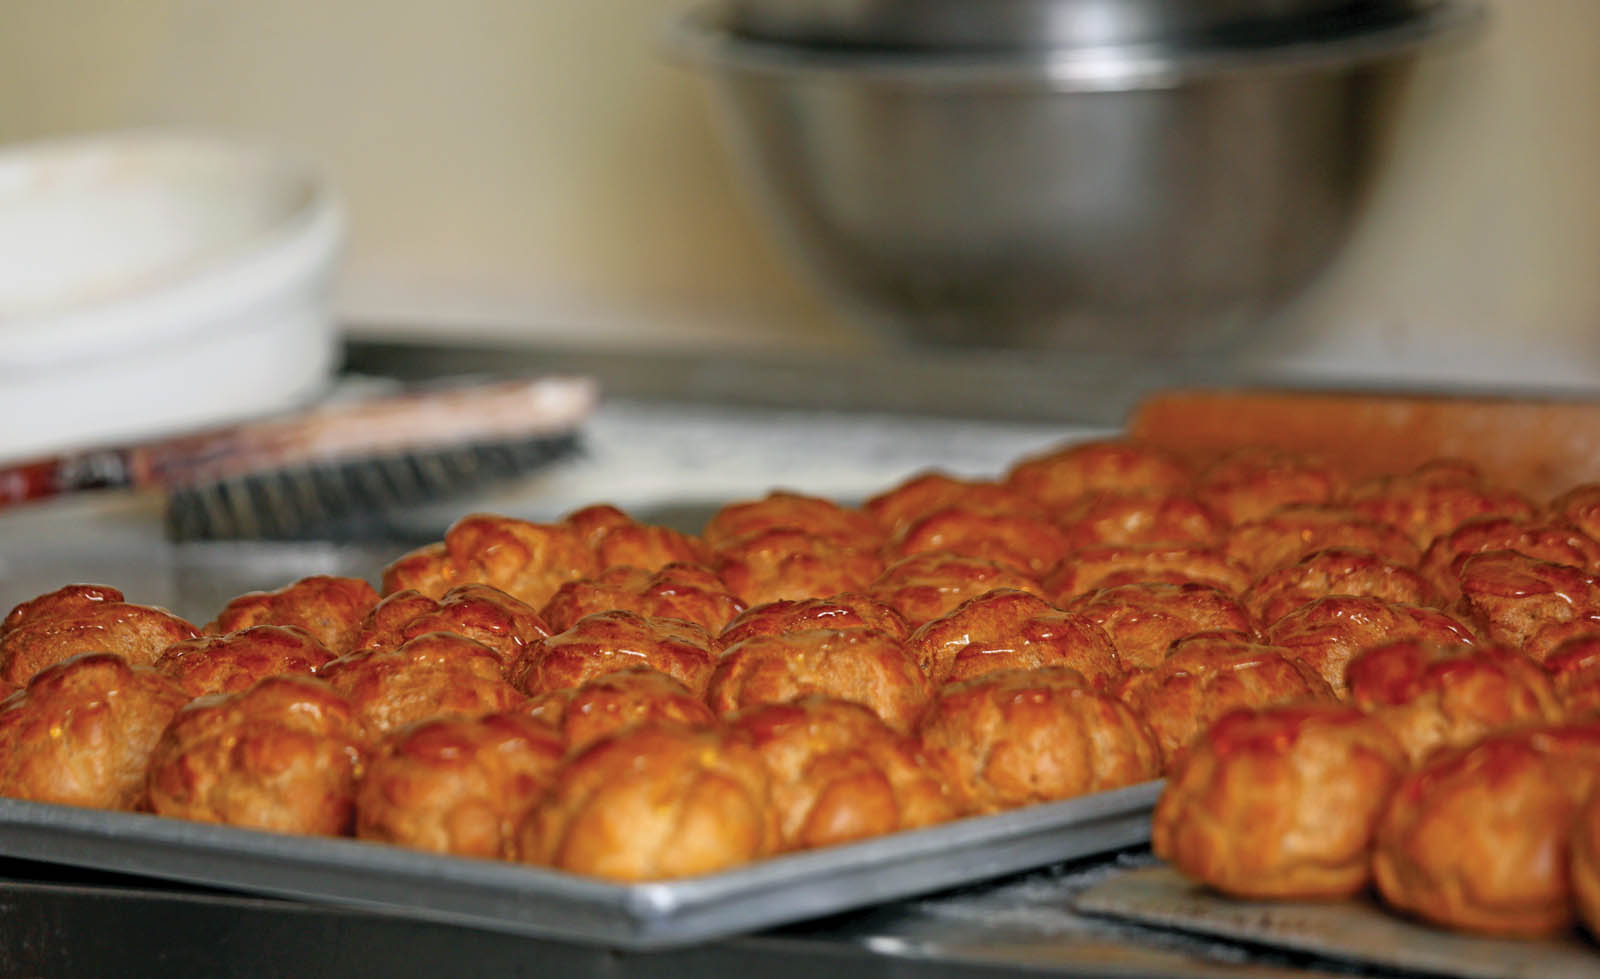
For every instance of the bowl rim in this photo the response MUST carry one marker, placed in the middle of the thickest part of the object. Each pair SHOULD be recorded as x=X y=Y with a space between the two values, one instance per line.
x=942 y=25
x=701 y=36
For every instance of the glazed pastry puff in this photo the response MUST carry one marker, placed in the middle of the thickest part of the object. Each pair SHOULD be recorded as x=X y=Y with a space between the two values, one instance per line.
x=1477 y=838
x=1280 y=803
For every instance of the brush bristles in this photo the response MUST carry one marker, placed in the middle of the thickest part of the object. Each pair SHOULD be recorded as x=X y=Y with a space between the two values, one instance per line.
x=350 y=499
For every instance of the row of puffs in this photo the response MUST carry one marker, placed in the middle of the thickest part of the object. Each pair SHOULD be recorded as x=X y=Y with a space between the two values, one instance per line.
x=1067 y=629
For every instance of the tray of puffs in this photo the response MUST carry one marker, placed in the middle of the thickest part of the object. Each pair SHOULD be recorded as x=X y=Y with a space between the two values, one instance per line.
x=605 y=730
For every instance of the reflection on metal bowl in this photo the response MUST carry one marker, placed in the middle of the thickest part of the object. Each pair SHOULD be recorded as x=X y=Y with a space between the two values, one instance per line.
x=976 y=24
x=1127 y=199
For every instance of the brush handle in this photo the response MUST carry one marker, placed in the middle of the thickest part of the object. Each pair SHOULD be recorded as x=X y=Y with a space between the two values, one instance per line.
x=374 y=427
x=41 y=479
x=428 y=418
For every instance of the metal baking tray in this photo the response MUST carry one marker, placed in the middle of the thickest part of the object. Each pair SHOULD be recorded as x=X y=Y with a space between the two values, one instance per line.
x=526 y=900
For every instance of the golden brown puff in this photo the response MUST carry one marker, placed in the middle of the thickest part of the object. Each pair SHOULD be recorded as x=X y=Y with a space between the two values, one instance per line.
x=1250 y=483
x=1478 y=838
x=1010 y=629
x=283 y=755
x=618 y=539
x=1289 y=533
x=654 y=802
x=485 y=613
x=1580 y=507
x=1558 y=543
x=1573 y=658
x=1027 y=541
x=68 y=598
x=1576 y=742
x=606 y=704
x=925 y=493
x=1432 y=696
x=81 y=732
x=1435 y=501
x=239 y=660
x=480 y=612
x=1335 y=571
x=1061 y=476
x=1079 y=654
x=528 y=561
x=1206 y=677
x=839 y=773
x=1280 y=803
x=1018 y=737
x=428 y=570
x=846 y=610
x=651 y=547
x=1574 y=668
x=592 y=523
x=610 y=641
x=1527 y=603
x=867 y=667
x=1585 y=863
x=925 y=586
x=1137 y=519
x=59 y=630
x=782 y=510
x=331 y=608
x=458 y=786
x=1555 y=636
x=1326 y=634
x=784 y=562
x=1447 y=470
x=383 y=626
x=1144 y=620
x=690 y=592
x=437 y=674
x=1092 y=568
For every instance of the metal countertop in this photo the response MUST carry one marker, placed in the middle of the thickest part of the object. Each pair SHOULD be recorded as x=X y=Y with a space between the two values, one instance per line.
x=1060 y=386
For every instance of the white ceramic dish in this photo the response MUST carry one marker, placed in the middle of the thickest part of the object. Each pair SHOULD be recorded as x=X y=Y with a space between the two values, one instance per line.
x=155 y=282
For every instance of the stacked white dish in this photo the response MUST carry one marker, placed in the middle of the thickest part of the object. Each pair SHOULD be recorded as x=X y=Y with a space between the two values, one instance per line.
x=151 y=283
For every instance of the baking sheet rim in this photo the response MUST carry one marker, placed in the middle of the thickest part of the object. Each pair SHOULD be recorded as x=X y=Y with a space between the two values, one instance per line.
x=491 y=893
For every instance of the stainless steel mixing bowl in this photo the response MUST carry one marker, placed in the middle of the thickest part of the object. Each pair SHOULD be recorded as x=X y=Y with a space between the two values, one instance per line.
x=975 y=24
x=1127 y=200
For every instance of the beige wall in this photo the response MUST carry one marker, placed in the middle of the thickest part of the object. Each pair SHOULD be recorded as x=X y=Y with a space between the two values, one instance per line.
x=1480 y=255
x=540 y=166
x=507 y=162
